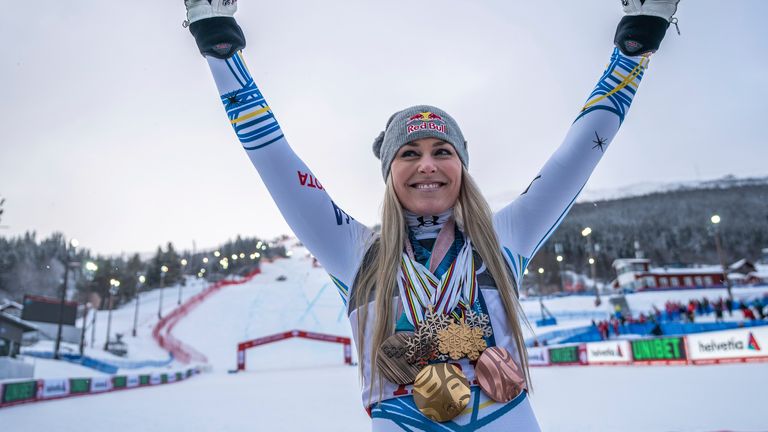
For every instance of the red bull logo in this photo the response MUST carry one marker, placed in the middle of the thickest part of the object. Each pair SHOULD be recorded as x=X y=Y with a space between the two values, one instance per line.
x=425 y=121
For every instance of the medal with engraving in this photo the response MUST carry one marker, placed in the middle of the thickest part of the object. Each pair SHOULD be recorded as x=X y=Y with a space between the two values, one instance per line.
x=441 y=392
x=392 y=360
x=499 y=375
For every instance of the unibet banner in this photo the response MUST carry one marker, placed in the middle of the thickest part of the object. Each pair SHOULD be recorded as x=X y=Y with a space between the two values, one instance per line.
x=566 y=355
x=659 y=349
x=609 y=352
x=747 y=343
x=54 y=388
x=538 y=356
x=79 y=385
x=19 y=391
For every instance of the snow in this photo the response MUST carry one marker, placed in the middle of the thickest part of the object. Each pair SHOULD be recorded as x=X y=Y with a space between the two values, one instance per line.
x=299 y=385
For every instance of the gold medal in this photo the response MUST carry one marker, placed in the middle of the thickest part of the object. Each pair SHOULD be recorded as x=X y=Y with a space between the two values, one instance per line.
x=393 y=359
x=460 y=340
x=498 y=375
x=441 y=392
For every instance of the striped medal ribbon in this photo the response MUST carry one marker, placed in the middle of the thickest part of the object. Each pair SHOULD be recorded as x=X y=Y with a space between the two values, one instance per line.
x=421 y=290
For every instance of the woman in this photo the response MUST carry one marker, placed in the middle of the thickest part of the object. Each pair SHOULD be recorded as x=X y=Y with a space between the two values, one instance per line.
x=432 y=299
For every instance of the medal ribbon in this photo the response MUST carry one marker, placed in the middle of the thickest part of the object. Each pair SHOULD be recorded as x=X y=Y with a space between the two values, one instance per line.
x=421 y=290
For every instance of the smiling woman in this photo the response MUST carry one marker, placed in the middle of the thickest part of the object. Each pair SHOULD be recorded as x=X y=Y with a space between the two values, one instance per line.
x=432 y=298
x=426 y=175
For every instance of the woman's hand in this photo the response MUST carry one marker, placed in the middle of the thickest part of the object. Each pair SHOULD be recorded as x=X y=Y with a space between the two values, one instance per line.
x=644 y=25
x=213 y=25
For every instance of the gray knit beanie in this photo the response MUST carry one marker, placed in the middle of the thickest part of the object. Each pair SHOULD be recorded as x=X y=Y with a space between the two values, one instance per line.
x=416 y=122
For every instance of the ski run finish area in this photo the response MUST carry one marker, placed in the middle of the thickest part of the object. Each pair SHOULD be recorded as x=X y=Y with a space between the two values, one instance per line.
x=300 y=385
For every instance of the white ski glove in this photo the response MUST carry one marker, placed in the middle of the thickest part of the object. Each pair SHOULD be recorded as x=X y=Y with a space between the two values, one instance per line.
x=660 y=8
x=202 y=9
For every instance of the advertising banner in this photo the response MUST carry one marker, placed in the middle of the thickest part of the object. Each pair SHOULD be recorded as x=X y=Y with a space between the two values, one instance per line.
x=609 y=352
x=664 y=350
x=538 y=356
x=119 y=381
x=133 y=381
x=144 y=380
x=567 y=355
x=52 y=388
x=79 y=385
x=155 y=379
x=101 y=384
x=19 y=391
x=729 y=346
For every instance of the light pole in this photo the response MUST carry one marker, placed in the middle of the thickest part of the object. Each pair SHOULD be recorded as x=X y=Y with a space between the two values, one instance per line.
x=183 y=266
x=590 y=250
x=559 y=258
x=73 y=244
x=114 y=287
x=85 y=323
x=140 y=279
x=715 y=219
x=163 y=270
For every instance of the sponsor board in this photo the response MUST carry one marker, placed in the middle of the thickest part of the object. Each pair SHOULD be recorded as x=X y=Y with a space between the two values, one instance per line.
x=132 y=381
x=79 y=385
x=568 y=355
x=101 y=384
x=609 y=352
x=663 y=350
x=728 y=345
x=538 y=356
x=52 y=388
x=155 y=379
x=19 y=391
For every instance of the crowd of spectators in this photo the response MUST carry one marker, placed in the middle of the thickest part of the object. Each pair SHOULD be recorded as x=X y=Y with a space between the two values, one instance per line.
x=676 y=311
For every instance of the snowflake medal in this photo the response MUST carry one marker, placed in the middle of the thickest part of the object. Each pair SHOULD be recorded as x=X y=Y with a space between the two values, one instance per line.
x=481 y=321
x=460 y=340
x=422 y=347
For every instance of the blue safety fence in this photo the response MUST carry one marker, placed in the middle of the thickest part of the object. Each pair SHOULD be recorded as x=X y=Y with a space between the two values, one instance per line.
x=101 y=365
x=591 y=334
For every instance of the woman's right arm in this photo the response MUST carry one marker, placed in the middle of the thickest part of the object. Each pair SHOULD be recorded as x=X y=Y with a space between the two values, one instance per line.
x=336 y=239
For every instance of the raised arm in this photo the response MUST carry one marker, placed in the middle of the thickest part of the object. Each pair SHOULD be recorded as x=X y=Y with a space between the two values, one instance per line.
x=336 y=239
x=524 y=225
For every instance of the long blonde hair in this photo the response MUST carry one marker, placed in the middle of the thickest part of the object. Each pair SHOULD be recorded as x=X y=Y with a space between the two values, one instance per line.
x=380 y=268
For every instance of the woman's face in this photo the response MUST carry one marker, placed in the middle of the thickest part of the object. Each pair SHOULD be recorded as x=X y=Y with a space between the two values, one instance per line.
x=426 y=174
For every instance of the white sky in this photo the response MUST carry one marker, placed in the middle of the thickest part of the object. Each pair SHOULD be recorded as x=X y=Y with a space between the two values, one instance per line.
x=111 y=129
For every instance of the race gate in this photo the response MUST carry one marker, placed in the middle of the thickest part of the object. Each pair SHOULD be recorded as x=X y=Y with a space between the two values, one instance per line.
x=242 y=346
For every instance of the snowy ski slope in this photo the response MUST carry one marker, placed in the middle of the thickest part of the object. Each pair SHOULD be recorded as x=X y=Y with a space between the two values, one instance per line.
x=300 y=385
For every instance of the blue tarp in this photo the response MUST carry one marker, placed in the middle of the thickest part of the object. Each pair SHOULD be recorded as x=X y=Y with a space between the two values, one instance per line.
x=109 y=367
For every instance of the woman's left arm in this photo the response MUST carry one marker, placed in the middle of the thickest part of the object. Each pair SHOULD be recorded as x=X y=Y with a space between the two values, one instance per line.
x=524 y=225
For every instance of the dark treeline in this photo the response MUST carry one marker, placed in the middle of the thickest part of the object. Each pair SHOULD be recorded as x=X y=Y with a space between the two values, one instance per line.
x=671 y=228
x=32 y=266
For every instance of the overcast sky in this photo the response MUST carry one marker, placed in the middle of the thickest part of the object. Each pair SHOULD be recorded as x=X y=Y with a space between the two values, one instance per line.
x=112 y=131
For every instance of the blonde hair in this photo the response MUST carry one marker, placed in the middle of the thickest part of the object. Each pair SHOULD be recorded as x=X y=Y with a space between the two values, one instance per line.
x=380 y=269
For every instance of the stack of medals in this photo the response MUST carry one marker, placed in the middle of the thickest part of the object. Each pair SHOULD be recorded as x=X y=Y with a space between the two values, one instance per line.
x=441 y=391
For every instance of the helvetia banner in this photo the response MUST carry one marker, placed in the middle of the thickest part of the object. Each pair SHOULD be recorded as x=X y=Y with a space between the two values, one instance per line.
x=609 y=352
x=729 y=345
x=54 y=388
x=538 y=356
x=100 y=384
x=133 y=381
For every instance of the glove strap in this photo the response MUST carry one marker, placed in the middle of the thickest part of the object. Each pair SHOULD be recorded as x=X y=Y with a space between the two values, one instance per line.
x=640 y=34
x=219 y=37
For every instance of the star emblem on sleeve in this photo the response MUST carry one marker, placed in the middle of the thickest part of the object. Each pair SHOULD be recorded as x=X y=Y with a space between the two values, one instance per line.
x=599 y=143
